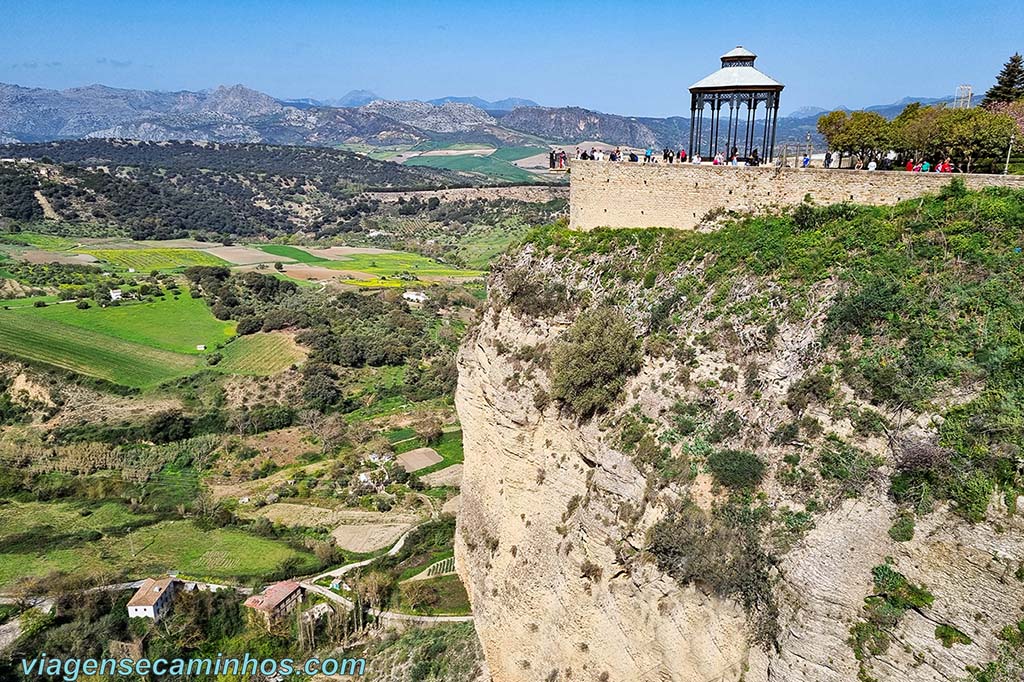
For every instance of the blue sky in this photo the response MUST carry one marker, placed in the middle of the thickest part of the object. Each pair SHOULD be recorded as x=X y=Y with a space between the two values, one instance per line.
x=619 y=57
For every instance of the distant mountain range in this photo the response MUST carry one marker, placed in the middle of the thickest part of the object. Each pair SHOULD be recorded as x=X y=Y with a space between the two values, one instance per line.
x=239 y=114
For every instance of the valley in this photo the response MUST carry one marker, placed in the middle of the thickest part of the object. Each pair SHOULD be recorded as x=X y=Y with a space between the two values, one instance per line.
x=487 y=389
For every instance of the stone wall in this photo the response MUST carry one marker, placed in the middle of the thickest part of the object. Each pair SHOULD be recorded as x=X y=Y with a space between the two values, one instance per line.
x=607 y=194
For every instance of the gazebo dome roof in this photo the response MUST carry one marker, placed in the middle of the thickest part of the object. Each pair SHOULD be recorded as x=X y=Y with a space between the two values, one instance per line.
x=737 y=75
x=739 y=51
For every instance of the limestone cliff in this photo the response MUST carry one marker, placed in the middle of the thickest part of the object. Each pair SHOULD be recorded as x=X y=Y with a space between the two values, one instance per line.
x=558 y=539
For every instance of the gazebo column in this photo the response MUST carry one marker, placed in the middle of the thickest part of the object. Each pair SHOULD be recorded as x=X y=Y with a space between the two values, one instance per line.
x=775 y=119
x=693 y=117
x=729 y=132
x=767 y=121
x=700 y=126
x=751 y=122
x=717 y=108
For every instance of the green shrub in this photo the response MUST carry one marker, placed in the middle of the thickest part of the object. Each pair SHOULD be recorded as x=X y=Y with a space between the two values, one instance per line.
x=972 y=493
x=902 y=528
x=738 y=469
x=949 y=635
x=725 y=427
x=850 y=467
x=815 y=387
x=723 y=552
x=592 y=360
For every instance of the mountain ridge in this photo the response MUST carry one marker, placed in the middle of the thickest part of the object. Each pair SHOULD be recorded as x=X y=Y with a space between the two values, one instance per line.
x=237 y=113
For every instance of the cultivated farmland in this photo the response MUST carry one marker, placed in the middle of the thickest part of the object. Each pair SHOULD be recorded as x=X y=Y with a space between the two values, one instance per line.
x=39 y=339
x=396 y=263
x=145 y=260
x=261 y=354
x=295 y=253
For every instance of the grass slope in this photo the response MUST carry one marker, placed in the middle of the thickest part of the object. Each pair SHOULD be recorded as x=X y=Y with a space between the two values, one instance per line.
x=87 y=352
x=517 y=153
x=178 y=545
x=177 y=325
x=487 y=166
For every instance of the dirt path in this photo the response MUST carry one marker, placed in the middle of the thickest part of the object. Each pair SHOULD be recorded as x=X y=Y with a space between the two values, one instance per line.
x=44 y=204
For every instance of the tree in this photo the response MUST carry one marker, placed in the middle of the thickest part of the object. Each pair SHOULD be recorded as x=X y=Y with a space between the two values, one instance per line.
x=868 y=134
x=1014 y=110
x=1009 y=85
x=864 y=133
x=831 y=126
x=592 y=361
x=972 y=134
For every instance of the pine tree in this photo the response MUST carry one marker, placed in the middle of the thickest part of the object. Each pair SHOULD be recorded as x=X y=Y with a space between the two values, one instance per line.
x=1009 y=85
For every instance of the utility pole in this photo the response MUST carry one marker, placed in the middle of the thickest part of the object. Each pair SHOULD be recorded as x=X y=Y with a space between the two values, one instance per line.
x=1006 y=168
x=131 y=541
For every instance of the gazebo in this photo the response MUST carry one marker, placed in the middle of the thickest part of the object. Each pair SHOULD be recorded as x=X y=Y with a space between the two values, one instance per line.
x=736 y=84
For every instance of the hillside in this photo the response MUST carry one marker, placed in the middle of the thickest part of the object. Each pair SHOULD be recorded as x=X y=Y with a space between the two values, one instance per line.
x=786 y=449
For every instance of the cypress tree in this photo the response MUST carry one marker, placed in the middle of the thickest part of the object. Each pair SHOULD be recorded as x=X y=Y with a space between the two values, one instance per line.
x=1009 y=85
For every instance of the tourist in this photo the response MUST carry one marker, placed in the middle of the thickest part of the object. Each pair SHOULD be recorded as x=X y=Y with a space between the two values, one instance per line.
x=647 y=155
x=872 y=165
x=735 y=161
x=578 y=152
x=696 y=159
x=754 y=158
x=828 y=159
x=551 y=159
x=682 y=156
x=806 y=162
x=925 y=166
x=910 y=166
x=947 y=166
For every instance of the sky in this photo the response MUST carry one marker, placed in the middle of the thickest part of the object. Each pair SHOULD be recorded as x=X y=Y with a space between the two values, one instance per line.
x=633 y=58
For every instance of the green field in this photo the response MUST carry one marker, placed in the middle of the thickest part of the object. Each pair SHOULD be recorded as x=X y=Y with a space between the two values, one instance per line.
x=392 y=264
x=517 y=153
x=295 y=253
x=47 y=242
x=487 y=166
x=177 y=325
x=37 y=538
x=260 y=354
x=38 y=339
x=145 y=260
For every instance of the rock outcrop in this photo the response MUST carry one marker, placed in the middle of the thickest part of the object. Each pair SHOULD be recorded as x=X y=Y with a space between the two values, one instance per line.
x=554 y=540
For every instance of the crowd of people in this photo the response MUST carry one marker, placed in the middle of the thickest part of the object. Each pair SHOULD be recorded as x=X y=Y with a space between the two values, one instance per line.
x=887 y=164
x=558 y=159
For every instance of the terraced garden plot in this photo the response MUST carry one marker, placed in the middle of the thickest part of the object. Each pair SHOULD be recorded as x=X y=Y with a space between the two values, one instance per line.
x=261 y=354
x=145 y=260
x=38 y=339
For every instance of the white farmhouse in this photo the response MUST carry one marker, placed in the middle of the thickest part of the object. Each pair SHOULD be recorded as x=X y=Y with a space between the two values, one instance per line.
x=116 y=294
x=153 y=599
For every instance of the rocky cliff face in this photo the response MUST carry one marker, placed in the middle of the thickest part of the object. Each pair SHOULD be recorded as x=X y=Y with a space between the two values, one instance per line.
x=566 y=522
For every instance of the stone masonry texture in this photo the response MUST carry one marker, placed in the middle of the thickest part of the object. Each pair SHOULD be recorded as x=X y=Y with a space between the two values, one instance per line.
x=610 y=194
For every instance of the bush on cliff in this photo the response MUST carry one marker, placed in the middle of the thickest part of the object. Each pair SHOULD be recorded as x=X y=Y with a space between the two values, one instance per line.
x=591 y=362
